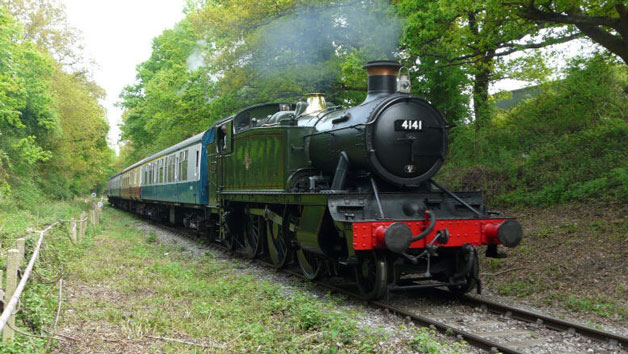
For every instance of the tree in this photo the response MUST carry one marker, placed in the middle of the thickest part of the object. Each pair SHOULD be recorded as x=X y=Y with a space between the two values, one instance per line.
x=248 y=52
x=474 y=35
x=27 y=117
x=171 y=98
x=45 y=24
x=80 y=154
x=52 y=126
x=605 y=22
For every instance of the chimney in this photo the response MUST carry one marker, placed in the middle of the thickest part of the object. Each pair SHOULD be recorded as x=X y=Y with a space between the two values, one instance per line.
x=382 y=78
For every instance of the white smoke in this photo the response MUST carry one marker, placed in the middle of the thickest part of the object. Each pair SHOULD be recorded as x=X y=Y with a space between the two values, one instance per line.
x=197 y=58
x=313 y=36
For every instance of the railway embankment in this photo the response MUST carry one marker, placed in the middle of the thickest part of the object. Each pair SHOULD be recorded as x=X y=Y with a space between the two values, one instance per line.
x=140 y=289
x=38 y=244
x=572 y=261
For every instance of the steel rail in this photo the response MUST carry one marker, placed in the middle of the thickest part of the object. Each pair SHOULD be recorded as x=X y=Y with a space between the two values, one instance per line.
x=473 y=339
x=548 y=321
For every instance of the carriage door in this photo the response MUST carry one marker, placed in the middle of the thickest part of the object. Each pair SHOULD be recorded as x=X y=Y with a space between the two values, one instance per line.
x=216 y=153
x=224 y=144
x=212 y=171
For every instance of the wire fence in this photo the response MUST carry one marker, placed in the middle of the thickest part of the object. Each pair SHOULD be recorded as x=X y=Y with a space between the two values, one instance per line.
x=13 y=290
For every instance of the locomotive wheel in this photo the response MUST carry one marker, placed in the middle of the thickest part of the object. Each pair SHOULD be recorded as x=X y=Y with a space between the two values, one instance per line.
x=310 y=264
x=228 y=236
x=470 y=279
x=253 y=233
x=372 y=275
x=277 y=244
x=229 y=242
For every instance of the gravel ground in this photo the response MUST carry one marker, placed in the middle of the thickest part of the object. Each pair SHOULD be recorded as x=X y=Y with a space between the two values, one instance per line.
x=556 y=312
x=529 y=338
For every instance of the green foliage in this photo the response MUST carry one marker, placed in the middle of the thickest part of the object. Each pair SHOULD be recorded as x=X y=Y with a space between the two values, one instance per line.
x=154 y=289
x=423 y=343
x=52 y=128
x=566 y=144
x=463 y=43
x=602 y=21
x=170 y=102
x=228 y=55
x=38 y=303
x=224 y=57
x=602 y=306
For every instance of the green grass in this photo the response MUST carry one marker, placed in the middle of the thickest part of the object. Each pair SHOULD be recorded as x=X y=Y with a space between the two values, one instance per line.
x=602 y=306
x=144 y=288
x=39 y=301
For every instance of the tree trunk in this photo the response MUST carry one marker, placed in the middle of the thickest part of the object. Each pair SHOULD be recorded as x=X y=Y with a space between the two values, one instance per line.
x=481 y=83
x=481 y=108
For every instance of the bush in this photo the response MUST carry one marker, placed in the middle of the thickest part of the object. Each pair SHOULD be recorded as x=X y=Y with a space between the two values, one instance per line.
x=567 y=144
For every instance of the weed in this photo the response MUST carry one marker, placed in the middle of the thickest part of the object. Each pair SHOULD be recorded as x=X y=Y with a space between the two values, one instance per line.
x=601 y=306
x=152 y=237
x=568 y=227
x=518 y=287
x=493 y=263
x=39 y=300
x=167 y=293
x=422 y=342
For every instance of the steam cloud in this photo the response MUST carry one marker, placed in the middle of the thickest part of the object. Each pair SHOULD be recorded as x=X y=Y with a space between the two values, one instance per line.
x=304 y=44
x=196 y=58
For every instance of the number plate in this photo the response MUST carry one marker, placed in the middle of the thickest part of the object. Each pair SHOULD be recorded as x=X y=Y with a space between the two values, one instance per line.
x=408 y=125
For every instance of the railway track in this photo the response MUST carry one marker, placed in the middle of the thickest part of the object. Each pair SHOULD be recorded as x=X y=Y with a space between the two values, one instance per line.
x=482 y=323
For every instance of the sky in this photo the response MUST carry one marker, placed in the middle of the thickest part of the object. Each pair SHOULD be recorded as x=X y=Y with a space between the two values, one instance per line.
x=117 y=36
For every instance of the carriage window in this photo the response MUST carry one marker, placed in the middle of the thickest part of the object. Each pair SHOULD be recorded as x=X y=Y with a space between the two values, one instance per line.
x=196 y=170
x=177 y=171
x=165 y=160
x=184 y=166
x=161 y=171
x=168 y=170
x=171 y=169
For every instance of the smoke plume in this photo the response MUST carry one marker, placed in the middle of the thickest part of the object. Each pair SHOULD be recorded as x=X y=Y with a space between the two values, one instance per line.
x=309 y=44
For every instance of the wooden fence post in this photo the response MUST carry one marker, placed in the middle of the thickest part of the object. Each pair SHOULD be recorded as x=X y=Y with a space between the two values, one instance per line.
x=20 y=244
x=92 y=218
x=73 y=231
x=12 y=264
x=83 y=224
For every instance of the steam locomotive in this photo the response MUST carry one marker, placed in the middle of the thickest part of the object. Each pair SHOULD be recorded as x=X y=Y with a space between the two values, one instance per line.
x=336 y=190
